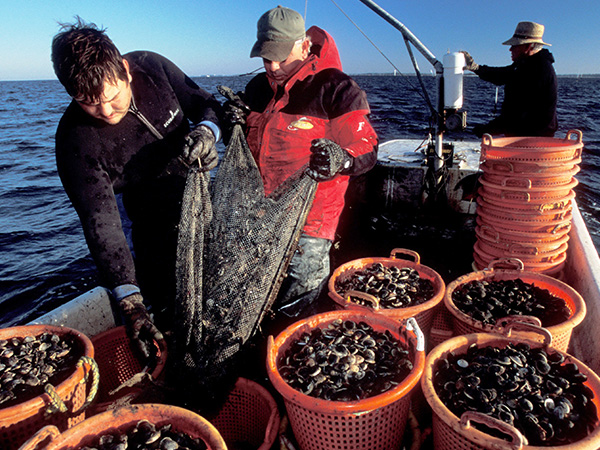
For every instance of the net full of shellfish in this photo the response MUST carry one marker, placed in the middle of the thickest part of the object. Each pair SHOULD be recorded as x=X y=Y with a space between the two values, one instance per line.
x=345 y=361
x=393 y=287
x=540 y=392
x=28 y=363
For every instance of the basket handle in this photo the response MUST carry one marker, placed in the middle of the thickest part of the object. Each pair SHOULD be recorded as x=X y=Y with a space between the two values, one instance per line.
x=404 y=251
x=577 y=133
x=95 y=374
x=58 y=405
x=516 y=262
x=486 y=139
x=48 y=432
x=486 y=230
x=524 y=326
x=528 y=249
x=499 y=166
x=518 y=318
x=364 y=296
x=516 y=182
x=517 y=439
x=413 y=325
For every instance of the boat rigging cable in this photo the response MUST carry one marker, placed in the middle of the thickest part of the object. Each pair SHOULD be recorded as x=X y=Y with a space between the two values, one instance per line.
x=423 y=91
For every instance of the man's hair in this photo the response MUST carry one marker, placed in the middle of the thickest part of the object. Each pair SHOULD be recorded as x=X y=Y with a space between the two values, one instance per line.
x=84 y=58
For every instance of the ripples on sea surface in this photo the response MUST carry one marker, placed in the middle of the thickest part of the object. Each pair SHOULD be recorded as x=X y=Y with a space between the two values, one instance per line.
x=44 y=259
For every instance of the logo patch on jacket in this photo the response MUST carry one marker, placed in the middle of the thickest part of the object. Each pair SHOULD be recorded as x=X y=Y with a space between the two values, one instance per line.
x=303 y=123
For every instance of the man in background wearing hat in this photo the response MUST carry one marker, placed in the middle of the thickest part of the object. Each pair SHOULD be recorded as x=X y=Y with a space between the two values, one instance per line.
x=304 y=111
x=530 y=86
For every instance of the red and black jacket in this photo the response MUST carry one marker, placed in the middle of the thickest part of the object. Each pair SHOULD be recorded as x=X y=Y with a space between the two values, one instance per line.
x=318 y=101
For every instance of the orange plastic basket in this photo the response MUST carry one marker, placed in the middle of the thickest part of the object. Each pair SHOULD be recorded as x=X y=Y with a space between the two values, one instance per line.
x=529 y=181
x=249 y=416
x=492 y=235
x=516 y=249
x=539 y=168
x=423 y=312
x=374 y=423
x=532 y=230
x=73 y=395
x=453 y=433
x=118 y=362
x=124 y=419
x=539 y=150
x=535 y=263
x=526 y=211
x=561 y=333
x=527 y=195
x=554 y=269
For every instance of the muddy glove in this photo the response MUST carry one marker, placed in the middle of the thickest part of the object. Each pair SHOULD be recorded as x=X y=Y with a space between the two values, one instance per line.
x=327 y=159
x=235 y=113
x=200 y=145
x=470 y=64
x=139 y=325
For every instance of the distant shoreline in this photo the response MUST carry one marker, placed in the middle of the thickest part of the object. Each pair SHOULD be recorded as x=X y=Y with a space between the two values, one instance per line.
x=388 y=74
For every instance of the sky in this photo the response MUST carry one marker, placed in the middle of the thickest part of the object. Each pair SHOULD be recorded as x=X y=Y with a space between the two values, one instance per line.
x=214 y=37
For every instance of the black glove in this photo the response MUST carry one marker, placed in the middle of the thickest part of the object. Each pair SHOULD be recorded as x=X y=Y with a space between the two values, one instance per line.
x=139 y=325
x=470 y=64
x=327 y=160
x=235 y=113
x=200 y=145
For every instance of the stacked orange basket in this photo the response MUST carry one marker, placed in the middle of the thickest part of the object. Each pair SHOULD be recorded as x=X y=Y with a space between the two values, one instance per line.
x=524 y=204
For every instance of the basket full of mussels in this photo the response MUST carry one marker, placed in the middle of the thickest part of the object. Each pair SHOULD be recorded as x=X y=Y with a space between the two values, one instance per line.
x=44 y=371
x=486 y=300
x=142 y=426
x=346 y=378
x=490 y=391
x=396 y=287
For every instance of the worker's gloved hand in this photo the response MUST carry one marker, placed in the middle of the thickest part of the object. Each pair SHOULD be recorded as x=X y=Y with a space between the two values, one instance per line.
x=470 y=64
x=235 y=113
x=200 y=145
x=327 y=160
x=139 y=325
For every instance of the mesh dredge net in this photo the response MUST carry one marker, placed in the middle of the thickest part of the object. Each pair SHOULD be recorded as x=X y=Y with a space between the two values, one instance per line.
x=235 y=244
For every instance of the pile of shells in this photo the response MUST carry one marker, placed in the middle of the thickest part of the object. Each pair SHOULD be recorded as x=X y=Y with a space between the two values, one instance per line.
x=393 y=286
x=28 y=363
x=488 y=301
x=146 y=436
x=536 y=391
x=345 y=361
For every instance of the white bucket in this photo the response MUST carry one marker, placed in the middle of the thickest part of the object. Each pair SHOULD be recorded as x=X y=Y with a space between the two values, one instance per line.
x=454 y=64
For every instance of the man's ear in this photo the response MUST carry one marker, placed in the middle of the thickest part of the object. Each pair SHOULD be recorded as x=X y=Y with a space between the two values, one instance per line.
x=126 y=65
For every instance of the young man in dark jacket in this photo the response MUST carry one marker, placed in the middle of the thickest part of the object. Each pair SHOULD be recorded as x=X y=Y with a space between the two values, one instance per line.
x=530 y=86
x=305 y=111
x=127 y=131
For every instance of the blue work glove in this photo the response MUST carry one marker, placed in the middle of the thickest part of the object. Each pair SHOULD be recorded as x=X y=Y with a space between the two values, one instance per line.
x=140 y=328
x=200 y=145
x=328 y=159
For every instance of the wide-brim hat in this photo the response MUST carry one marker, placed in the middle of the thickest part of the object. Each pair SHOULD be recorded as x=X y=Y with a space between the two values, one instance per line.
x=277 y=31
x=527 y=33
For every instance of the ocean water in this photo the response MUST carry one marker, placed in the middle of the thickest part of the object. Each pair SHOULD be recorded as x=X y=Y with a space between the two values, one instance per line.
x=44 y=260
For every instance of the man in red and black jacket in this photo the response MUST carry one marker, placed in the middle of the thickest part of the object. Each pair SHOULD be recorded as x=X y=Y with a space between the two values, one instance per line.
x=305 y=110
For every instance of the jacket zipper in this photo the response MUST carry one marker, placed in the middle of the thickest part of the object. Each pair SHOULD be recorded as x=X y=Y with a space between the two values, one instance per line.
x=136 y=112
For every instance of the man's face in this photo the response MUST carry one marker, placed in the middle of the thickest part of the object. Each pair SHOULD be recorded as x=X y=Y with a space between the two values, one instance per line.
x=518 y=52
x=114 y=101
x=281 y=71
